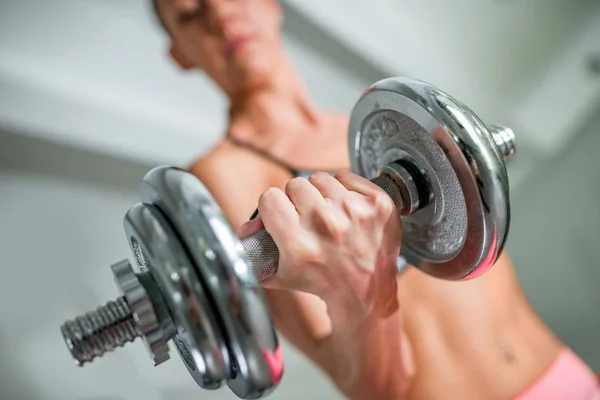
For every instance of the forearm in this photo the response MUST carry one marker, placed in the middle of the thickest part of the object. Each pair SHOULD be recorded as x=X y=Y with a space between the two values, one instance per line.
x=369 y=358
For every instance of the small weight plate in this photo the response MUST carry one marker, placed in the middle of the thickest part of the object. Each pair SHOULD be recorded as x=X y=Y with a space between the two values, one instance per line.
x=220 y=261
x=461 y=233
x=199 y=340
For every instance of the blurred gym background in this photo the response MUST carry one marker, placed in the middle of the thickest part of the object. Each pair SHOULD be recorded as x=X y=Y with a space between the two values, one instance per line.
x=89 y=101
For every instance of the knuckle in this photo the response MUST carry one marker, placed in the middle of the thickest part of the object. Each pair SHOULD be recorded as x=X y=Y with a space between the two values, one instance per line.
x=331 y=224
x=294 y=184
x=319 y=175
x=383 y=203
x=302 y=252
x=309 y=255
x=341 y=174
x=269 y=196
x=358 y=209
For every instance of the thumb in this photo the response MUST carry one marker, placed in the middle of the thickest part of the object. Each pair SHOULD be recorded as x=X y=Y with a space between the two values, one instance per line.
x=250 y=227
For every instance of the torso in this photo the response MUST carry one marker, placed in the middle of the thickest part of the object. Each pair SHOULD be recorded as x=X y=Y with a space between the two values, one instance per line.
x=477 y=339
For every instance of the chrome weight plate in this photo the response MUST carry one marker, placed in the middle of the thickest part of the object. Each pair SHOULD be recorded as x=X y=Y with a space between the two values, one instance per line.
x=220 y=261
x=199 y=339
x=461 y=233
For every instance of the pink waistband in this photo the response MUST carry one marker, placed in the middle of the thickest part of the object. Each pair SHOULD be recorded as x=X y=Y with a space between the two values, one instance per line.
x=569 y=378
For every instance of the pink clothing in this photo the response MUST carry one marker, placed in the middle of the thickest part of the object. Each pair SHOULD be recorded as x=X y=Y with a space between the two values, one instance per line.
x=569 y=378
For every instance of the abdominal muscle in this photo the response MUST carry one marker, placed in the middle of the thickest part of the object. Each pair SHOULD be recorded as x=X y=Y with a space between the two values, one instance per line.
x=477 y=339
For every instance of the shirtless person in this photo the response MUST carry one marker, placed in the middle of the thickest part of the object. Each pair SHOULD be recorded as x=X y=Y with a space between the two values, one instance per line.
x=377 y=337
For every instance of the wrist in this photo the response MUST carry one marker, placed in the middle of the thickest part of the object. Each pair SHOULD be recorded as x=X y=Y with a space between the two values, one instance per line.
x=363 y=295
x=345 y=309
x=374 y=358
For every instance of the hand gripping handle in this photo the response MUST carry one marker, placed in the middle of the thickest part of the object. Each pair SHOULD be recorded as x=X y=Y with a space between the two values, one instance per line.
x=262 y=253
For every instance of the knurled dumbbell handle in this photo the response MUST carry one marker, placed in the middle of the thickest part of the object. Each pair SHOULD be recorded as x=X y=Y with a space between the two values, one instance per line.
x=262 y=253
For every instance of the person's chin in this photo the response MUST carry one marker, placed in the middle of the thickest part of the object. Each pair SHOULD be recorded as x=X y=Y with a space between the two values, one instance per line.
x=255 y=78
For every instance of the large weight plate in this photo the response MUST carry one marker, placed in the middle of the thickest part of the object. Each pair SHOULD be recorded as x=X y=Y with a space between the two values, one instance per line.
x=199 y=339
x=462 y=232
x=234 y=290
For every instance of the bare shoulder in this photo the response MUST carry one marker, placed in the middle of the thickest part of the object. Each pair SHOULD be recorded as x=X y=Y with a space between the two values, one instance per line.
x=222 y=154
x=234 y=177
x=339 y=121
x=225 y=161
x=334 y=143
x=336 y=126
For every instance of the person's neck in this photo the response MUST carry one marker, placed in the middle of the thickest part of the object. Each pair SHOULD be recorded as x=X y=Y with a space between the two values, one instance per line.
x=282 y=106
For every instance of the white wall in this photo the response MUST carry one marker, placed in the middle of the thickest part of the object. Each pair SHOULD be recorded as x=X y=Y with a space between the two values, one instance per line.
x=554 y=242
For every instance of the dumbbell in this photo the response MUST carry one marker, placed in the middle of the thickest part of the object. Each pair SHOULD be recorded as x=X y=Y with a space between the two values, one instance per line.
x=196 y=284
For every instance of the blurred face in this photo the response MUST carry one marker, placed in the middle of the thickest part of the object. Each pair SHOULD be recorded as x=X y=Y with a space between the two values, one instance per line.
x=235 y=42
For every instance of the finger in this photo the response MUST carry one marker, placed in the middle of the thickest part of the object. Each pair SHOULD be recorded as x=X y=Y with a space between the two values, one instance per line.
x=331 y=222
x=303 y=195
x=357 y=183
x=329 y=187
x=250 y=227
x=375 y=195
x=278 y=214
